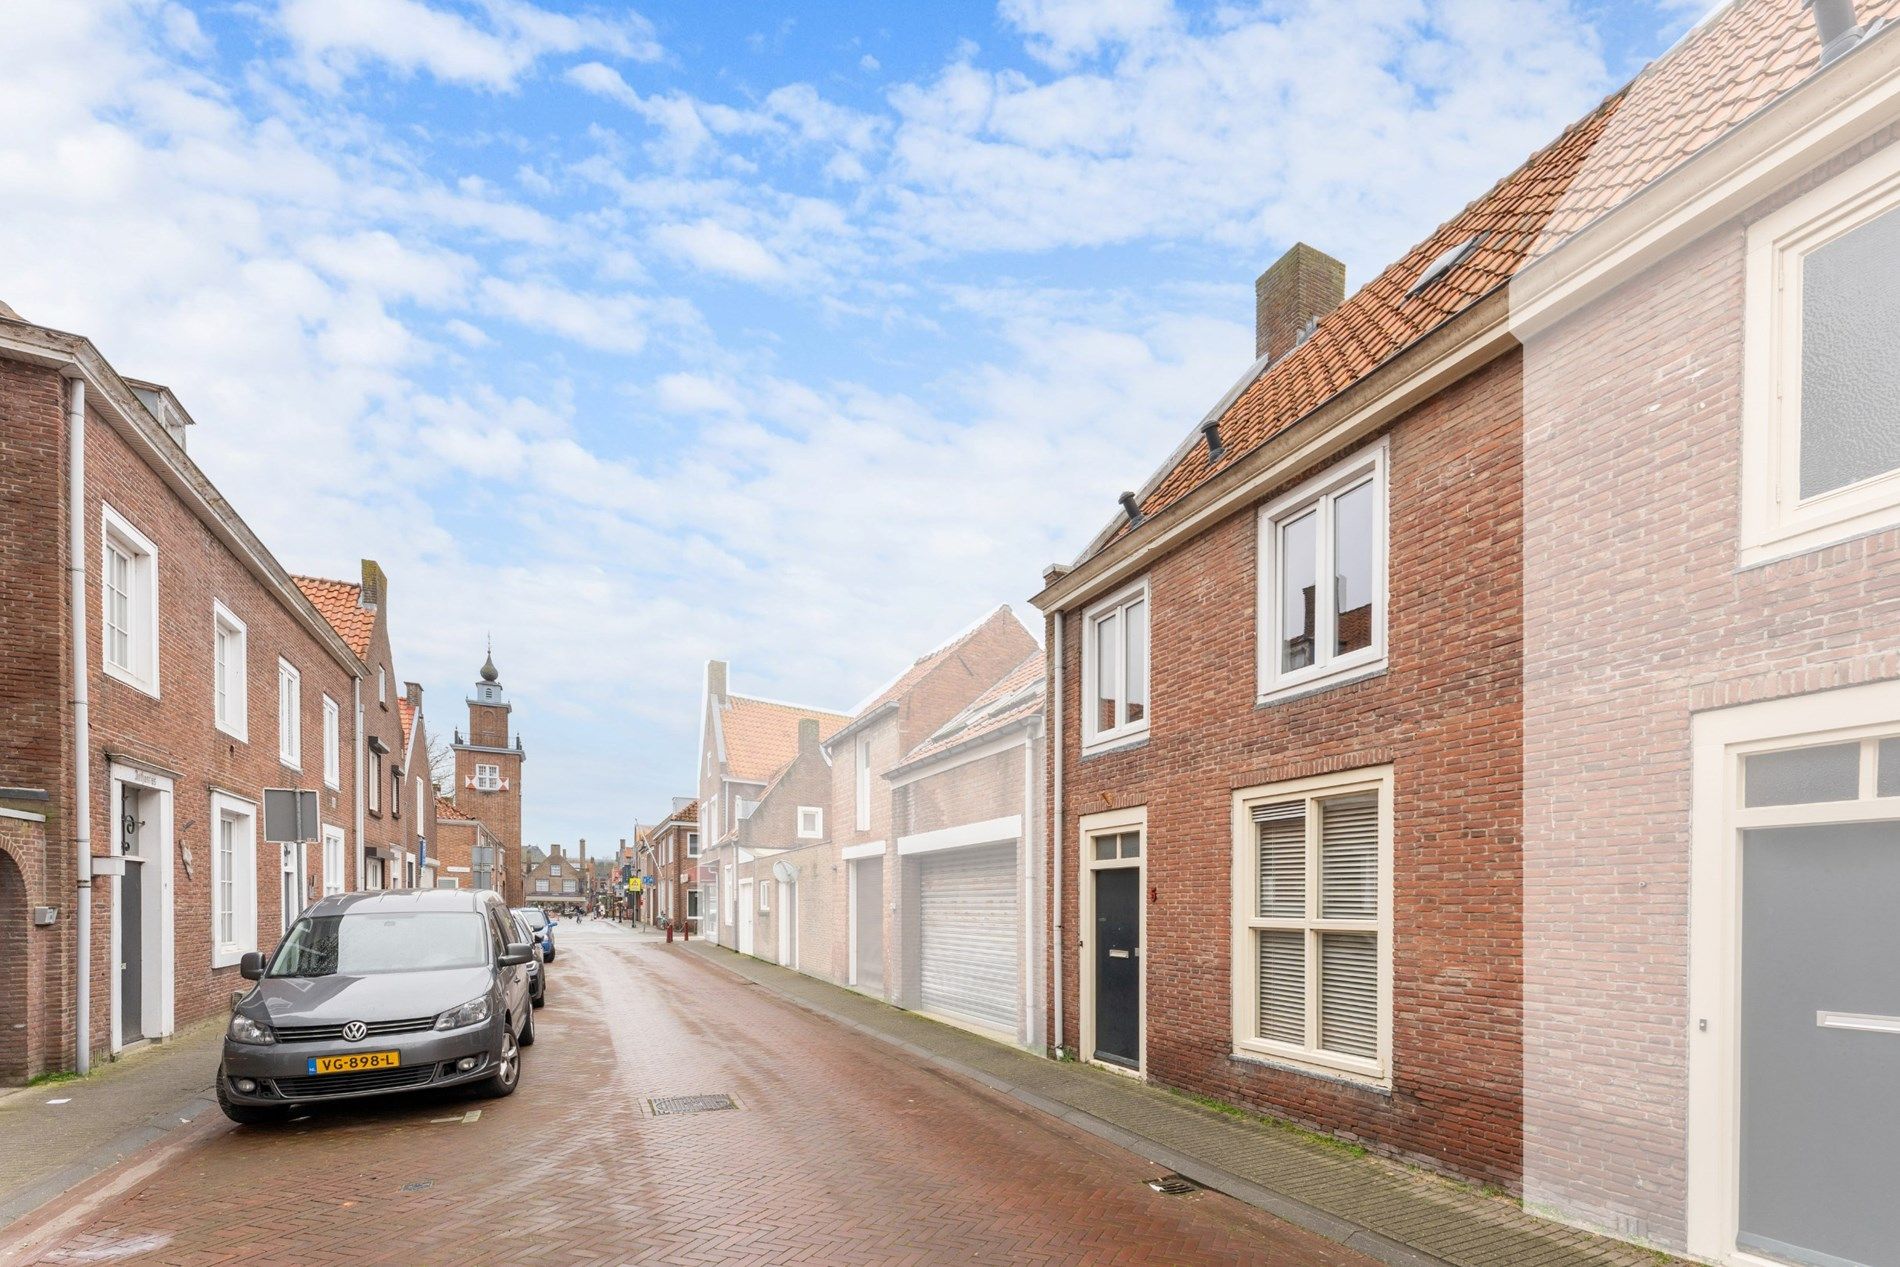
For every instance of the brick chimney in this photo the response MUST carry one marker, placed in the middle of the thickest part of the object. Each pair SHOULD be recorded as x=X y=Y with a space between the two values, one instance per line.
x=807 y=735
x=1301 y=286
x=716 y=679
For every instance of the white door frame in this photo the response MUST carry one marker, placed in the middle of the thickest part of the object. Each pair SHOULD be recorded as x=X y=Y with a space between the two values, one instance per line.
x=158 y=995
x=1108 y=823
x=786 y=917
x=745 y=932
x=1717 y=821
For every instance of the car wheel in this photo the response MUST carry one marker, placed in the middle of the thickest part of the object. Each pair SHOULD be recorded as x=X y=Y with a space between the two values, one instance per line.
x=541 y=996
x=527 y=1031
x=507 y=1074
x=249 y=1114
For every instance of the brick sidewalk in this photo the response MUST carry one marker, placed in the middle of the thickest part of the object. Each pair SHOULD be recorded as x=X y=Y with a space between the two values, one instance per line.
x=1389 y=1212
x=57 y=1134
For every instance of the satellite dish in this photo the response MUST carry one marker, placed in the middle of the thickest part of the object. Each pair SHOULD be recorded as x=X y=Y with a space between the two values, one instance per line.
x=784 y=872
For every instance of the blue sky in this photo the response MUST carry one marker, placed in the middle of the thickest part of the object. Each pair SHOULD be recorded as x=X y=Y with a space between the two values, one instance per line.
x=794 y=335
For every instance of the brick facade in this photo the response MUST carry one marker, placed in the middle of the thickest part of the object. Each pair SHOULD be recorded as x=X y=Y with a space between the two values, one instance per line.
x=165 y=738
x=490 y=742
x=1444 y=714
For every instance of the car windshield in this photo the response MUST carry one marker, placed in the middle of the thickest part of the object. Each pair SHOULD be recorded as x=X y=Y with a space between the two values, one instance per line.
x=537 y=920
x=363 y=943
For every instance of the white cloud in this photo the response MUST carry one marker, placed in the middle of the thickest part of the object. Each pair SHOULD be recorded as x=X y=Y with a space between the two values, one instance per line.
x=718 y=249
x=610 y=323
x=1060 y=31
x=336 y=39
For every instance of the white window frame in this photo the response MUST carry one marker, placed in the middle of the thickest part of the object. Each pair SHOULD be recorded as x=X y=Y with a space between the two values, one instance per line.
x=230 y=673
x=243 y=879
x=1095 y=737
x=1776 y=520
x=374 y=792
x=332 y=744
x=540 y=886
x=862 y=775
x=1319 y=494
x=334 y=851
x=289 y=719
x=811 y=822
x=765 y=899
x=692 y=844
x=487 y=777
x=140 y=670
x=554 y=869
x=382 y=685
x=1309 y=1057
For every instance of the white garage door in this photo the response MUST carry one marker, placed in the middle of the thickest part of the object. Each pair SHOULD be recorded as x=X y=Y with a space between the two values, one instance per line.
x=969 y=926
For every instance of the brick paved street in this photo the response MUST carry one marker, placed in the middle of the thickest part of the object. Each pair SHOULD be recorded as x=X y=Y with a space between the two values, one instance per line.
x=842 y=1152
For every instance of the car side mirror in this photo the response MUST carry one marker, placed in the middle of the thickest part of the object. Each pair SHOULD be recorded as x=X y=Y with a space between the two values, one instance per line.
x=251 y=966
x=518 y=953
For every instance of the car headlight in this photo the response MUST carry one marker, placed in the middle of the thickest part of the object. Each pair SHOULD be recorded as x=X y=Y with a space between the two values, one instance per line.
x=245 y=1030
x=473 y=1012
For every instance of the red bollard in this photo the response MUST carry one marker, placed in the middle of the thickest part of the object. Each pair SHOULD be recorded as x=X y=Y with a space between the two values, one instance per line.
x=686 y=932
x=669 y=934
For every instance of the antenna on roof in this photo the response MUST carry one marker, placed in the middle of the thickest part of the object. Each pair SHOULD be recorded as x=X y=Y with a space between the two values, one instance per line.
x=1130 y=509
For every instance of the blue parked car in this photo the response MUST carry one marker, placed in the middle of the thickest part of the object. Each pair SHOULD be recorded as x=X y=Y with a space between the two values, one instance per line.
x=542 y=926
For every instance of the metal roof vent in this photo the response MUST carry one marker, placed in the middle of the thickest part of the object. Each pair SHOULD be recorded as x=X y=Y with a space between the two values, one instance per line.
x=1130 y=508
x=1451 y=257
x=1834 y=24
x=1211 y=430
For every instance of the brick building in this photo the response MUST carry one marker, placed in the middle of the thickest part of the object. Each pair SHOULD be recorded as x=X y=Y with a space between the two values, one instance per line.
x=744 y=743
x=672 y=857
x=783 y=870
x=488 y=761
x=968 y=861
x=555 y=878
x=135 y=867
x=470 y=856
x=868 y=928
x=1452 y=868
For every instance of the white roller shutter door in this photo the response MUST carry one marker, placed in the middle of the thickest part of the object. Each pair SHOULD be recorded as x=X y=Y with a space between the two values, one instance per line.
x=969 y=927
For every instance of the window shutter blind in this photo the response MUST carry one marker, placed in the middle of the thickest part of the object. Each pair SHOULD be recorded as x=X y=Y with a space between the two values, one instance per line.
x=1349 y=858
x=1283 y=985
x=1281 y=832
x=1349 y=993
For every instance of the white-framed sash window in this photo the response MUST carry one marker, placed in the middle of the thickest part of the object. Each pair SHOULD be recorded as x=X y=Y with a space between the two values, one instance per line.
x=1322 y=570
x=233 y=879
x=487 y=777
x=332 y=744
x=1313 y=923
x=1821 y=386
x=1115 y=668
x=289 y=715
x=229 y=672
x=811 y=822
x=128 y=583
x=333 y=852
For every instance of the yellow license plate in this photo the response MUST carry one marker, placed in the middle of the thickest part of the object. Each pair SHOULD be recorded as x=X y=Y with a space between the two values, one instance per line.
x=355 y=1062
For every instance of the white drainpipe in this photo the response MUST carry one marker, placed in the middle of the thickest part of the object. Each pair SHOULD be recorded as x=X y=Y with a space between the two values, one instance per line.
x=82 y=723
x=1053 y=731
x=356 y=701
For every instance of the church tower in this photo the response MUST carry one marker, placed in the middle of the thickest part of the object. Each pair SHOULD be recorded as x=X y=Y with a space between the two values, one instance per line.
x=488 y=773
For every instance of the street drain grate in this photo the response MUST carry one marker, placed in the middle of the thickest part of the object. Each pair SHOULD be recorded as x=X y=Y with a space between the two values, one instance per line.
x=1174 y=1185
x=690 y=1104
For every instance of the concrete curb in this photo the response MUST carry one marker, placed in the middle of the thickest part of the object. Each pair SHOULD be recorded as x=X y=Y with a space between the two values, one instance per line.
x=1353 y=1236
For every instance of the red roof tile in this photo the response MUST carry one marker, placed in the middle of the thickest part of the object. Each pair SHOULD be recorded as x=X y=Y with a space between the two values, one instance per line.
x=340 y=603
x=762 y=736
x=1733 y=64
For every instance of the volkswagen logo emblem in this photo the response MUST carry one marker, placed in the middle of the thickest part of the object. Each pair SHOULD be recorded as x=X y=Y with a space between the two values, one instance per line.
x=355 y=1032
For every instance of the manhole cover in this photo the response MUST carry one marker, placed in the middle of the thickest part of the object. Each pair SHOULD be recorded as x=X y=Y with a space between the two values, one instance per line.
x=690 y=1104
x=1174 y=1185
